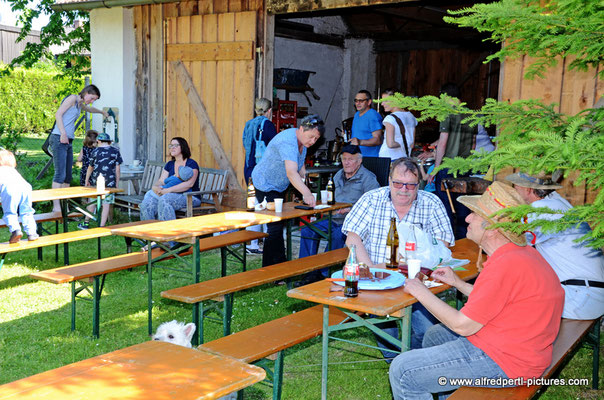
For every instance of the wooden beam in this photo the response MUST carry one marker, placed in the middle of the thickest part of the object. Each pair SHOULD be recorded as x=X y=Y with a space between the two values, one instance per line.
x=204 y=122
x=230 y=51
x=295 y=6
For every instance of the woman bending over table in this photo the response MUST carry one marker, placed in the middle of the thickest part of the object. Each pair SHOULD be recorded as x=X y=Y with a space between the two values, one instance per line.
x=169 y=199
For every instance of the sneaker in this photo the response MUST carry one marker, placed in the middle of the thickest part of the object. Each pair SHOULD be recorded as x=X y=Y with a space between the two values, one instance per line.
x=15 y=236
x=253 y=251
x=83 y=225
x=32 y=237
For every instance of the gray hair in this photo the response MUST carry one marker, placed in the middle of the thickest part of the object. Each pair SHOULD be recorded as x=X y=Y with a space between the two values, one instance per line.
x=408 y=164
x=542 y=193
x=262 y=105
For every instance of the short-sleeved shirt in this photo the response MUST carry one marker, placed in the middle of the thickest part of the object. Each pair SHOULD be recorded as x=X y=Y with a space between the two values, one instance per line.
x=370 y=219
x=169 y=167
x=519 y=300
x=104 y=160
x=351 y=190
x=459 y=143
x=409 y=123
x=269 y=174
x=362 y=126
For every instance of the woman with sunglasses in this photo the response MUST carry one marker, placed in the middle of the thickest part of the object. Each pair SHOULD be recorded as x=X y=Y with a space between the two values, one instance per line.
x=282 y=165
x=169 y=199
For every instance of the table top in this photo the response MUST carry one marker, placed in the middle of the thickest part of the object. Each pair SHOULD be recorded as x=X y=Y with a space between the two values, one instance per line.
x=322 y=169
x=382 y=302
x=71 y=192
x=150 y=370
x=289 y=210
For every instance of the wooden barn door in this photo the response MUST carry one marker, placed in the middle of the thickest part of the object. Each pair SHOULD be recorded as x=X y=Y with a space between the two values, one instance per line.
x=210 y=86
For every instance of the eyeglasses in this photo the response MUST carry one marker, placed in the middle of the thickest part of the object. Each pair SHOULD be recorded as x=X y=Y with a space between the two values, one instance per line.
x=172 y=146
x=360 y=100
x=408 y=186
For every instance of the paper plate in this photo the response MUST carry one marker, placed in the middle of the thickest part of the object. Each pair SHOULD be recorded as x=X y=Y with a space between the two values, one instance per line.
x=396 y=279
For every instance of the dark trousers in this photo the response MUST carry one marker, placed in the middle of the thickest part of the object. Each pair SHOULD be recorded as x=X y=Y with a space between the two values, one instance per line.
x=274 y=245
x=458 y=220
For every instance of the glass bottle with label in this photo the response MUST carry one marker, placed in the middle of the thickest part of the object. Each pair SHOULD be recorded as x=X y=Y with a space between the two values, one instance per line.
x=351 y=274
x=392 y=243
x=410 y=245
x=331 y=192
x=251 y=195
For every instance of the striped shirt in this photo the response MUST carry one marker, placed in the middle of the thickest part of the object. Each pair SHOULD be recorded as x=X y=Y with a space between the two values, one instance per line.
x=370 y=219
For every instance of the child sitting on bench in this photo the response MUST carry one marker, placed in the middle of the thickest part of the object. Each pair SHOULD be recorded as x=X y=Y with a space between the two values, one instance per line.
x=184 y=174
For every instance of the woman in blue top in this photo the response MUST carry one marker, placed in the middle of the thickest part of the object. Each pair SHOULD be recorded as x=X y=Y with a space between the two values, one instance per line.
x=172 y=198
x=282 y=164
x=63 y=134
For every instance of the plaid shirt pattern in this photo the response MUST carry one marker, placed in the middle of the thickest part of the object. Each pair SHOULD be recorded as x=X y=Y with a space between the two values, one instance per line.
x=370 y=219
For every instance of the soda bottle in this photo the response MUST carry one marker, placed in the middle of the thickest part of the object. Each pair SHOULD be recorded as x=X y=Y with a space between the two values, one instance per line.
x=331 y=192
x=251 y=196
x=410 y=245
x=351 y=274
x=392 y=243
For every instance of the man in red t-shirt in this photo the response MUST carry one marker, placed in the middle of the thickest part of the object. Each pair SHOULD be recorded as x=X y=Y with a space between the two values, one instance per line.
x=508 y=325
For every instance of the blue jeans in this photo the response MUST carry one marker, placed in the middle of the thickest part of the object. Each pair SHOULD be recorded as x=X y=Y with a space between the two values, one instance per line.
x=421 y=321
x=62 y=158
x=415 y=374
x=164 y=208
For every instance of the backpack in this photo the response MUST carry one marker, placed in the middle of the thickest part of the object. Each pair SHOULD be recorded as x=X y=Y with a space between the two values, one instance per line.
x=253 y=132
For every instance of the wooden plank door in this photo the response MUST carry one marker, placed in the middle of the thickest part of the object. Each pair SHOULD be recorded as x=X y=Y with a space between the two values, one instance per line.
x=217 y=51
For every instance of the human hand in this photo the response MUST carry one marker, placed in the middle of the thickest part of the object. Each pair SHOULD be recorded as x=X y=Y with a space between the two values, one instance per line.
x=354 y=141
x=343 y=210
x=310 y=200
x=414 y=286
x=105 y=114
x=425 y=155
x=64 y=139
x=445 y=275
x=431 y=178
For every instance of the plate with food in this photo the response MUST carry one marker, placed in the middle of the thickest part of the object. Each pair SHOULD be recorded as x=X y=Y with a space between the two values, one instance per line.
x=374 y=279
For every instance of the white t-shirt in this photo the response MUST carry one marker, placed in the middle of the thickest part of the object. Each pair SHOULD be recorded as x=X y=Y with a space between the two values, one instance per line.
x=409 y=122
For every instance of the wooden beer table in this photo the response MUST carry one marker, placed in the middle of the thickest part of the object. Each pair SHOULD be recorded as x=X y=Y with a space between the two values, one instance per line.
x=375 y=306
x=150 y=370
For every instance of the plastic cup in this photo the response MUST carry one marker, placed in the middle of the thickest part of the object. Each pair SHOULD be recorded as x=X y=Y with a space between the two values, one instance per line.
x=278 y=205
x=315 y=196
x=324 y=195
x=413 y=267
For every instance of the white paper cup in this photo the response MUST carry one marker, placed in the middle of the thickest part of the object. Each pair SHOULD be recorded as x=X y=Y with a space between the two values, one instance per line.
x=278 y=205
x=324 y=195
x=414 y=267
x=315 y=196
x=136 y=163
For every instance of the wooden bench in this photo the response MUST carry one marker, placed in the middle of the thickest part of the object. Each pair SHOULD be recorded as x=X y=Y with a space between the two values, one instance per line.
x=270 y=340
x=65 y=237
x=222 y=289
x=151 y=174
x=572 y=333
x=97 y=270
x=212 y=185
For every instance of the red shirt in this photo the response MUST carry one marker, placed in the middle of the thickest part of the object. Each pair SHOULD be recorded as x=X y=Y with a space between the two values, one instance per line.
x=519 y=300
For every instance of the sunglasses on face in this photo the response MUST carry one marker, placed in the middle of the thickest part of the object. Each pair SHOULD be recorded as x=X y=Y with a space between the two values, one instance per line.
x=313 y=123
x=408 y=186
x=359 y=100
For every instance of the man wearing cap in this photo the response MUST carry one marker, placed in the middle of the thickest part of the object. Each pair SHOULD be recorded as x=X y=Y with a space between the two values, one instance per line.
x=366 y=125
x=282 y=164
x=508 y=325
x=368 y=223
x=579 y=267
x=351 y=182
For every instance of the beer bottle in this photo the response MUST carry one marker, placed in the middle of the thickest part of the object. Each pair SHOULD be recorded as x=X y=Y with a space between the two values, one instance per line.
x=331 y=192
x=392 y=244
x=351 y=274
x=251 y=195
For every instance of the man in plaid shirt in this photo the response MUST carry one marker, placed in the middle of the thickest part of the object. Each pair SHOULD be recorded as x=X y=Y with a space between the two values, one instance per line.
x=367 y=225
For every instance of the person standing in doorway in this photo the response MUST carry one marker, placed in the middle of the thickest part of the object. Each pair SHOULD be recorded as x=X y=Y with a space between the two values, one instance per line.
x=366 y=125
x=400 y=130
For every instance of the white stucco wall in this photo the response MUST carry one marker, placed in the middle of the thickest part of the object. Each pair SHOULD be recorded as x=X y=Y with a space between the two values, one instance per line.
x=113 y=65
x=359 y=72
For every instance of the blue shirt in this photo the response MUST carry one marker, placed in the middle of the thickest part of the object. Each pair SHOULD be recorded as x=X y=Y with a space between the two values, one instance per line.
x=351 y=190
x=362 y=126
x=189 y=163
x=269 y=175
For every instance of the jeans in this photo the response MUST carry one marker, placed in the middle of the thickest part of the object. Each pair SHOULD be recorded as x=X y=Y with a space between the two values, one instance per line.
x=309 y=243
x=274 y=245
x=16 y=200
x=164 y=208
x=421 y=321
x=62 y=157
x=415 y=374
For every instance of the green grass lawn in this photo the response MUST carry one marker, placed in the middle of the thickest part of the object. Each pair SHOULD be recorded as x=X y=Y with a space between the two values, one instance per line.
x=35 y=333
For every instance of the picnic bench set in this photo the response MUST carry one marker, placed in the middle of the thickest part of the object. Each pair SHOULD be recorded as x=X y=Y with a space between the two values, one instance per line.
x=229 y=357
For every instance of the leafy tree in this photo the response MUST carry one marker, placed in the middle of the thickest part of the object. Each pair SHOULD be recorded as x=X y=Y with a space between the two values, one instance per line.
x=533 y=136
x=75 y=61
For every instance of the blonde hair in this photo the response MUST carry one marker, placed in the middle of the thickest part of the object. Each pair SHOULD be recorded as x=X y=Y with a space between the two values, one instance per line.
x=7 y=159
x=90 y=138
x=262 y=105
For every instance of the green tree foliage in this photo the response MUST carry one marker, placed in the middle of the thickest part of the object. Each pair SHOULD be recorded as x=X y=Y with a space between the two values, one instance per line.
x=56 y=32
x=533 y=136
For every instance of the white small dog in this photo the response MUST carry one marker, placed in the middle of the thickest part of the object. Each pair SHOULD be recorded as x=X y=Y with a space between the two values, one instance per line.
x=176 y=333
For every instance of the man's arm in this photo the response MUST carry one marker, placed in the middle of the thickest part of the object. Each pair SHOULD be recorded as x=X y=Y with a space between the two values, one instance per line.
x=376 y=139
x=362 y=255
x=452 y=318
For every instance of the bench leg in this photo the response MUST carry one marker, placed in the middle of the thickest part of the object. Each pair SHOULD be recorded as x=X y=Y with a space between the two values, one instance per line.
x=198 y=321
x=97 y=288
x=227 y=314
x=56 y=245
x=278 y=376
x=593 y=341
x=73 y=306
x=223 y=261
x=149 y=289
